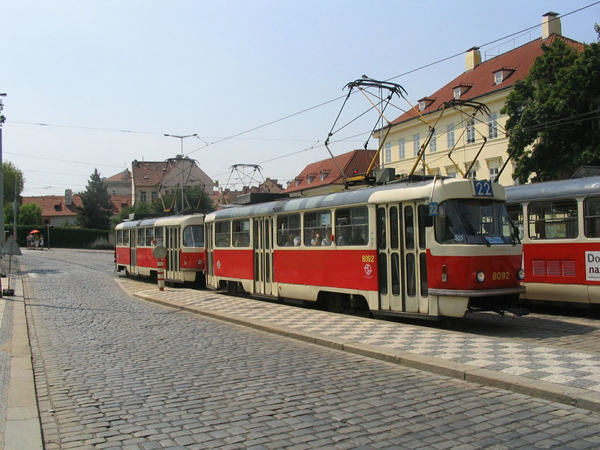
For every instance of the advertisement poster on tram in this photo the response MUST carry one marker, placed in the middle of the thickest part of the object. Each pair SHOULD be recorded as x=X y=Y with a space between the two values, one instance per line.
x=592 y=266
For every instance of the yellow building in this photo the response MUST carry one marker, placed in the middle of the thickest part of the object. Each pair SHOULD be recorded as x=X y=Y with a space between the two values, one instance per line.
x=458 y=130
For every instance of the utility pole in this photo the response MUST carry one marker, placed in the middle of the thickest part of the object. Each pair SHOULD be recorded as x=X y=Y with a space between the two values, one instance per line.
x=182 y=168
x=2 y=237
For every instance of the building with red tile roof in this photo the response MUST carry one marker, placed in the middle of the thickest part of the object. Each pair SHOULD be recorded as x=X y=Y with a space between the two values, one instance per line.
x=323 y=177
x=61 y=210
x=462 y=130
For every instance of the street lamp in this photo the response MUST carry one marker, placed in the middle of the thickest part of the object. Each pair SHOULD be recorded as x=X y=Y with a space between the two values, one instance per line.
x=181 y=138
x=1 y=184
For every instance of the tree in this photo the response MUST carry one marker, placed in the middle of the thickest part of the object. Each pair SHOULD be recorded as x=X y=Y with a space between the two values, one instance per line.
x=553 y=114
x=195 y=198
x=10 y=174
x=30 y=214
x=138 y=208
x=95 y=211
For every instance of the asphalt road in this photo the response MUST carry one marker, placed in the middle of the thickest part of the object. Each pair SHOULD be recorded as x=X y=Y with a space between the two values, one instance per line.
x=115 y=372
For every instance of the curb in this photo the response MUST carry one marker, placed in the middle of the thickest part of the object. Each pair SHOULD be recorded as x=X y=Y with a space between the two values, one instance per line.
x=23 y=429
x=567 y=395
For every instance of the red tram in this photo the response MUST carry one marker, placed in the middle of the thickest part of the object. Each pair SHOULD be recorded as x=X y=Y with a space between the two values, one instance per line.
x=559 y=223
x=183 y=238
x=429 y=248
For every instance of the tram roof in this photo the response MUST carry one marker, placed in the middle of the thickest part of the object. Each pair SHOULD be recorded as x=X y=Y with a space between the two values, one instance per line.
x=354 y=197
x=573 y=187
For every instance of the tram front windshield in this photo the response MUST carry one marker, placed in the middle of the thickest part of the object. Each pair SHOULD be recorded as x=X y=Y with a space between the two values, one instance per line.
x=477 y=222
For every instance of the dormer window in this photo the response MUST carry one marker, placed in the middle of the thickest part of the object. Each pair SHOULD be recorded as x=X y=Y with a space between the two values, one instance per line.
x=498 y=77
x=310 y=177
x=298 y=181
x=425 y=102
x=502 y=74
x=460 y=90
x=324 y=174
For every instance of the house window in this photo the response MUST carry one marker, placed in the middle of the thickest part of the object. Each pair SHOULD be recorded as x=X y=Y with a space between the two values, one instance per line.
x=457 y=92
x=154 y=195
x=402 y=148
x=493 y=125
x=472 y=174
x=388 y=152
x=471 y=132
x=450 y=135
x=324 y=174
x=433 y=142
x=142 y=196
x=451 y=172
x=494 y=173
x=498 y=77
x=416 y=143
x=113 y=192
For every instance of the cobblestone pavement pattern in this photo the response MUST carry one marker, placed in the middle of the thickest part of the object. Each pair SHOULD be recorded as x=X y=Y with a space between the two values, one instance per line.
x=113 y=372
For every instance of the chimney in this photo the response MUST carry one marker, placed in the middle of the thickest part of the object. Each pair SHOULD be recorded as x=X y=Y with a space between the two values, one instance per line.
x=68 y=197
x=550 y=25
x=473 y=59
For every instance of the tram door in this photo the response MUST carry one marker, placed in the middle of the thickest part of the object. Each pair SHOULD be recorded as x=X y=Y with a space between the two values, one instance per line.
x=173 y=246
x=263 y=255
x=133 y=249
x=210 y=270
x=401 y=258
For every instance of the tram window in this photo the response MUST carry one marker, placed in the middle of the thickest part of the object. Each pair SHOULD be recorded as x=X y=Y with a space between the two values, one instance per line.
x=409 y=228
x=423 y=273
x=411 y=282
x=241 y=233
x=381 y=236
x=352 y=226
x=591 y=208
x=424 y=221
x=553 y=220
x=126 y=237
x=475 y=222
x=193 y=236
x=149 y=236
x=141 y=237
x=516 y=216
x=120 y=237
x=317 y=228
x=394 y=224
x=158 y=235
x=288 y=230
x=222 y=234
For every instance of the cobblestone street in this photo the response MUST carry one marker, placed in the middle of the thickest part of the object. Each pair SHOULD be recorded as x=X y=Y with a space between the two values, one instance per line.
x=116 y=372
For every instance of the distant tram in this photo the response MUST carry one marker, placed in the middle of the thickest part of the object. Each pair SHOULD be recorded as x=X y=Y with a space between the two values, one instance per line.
x=183 y=238
x=559 y=223
x=430 y=248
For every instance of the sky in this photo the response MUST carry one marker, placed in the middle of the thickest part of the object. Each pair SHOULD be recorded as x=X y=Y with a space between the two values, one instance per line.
x=98 y=84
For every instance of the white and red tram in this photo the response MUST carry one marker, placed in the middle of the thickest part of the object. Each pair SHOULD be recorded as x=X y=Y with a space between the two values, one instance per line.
x=559 y=223
x=402 y=248
x=183 y=238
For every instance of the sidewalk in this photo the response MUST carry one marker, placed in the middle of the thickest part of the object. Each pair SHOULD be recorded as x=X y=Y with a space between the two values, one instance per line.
x=19 y=417
x=553 y=374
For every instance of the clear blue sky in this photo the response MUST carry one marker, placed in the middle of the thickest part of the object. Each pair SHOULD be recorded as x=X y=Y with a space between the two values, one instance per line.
x=88 y=69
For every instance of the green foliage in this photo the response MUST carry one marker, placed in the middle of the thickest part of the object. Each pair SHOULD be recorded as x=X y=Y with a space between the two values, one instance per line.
x=195 y=198
x=139 y=208
x=10 y=175
x=64 y=237
x=30 y=214
x=95 y=211
x=553 y=114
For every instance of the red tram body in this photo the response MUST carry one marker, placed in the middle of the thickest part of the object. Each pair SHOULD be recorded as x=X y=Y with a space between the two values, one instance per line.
x=559 y=223
x=400 y=249
x=183 y=238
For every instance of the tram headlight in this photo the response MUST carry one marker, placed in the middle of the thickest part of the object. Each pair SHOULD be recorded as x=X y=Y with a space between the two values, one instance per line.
x=480 y=277
x=521 y=274
x=199 y=262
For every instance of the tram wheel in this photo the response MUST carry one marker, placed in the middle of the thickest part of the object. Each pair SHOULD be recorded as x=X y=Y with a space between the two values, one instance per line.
x=334 y=303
